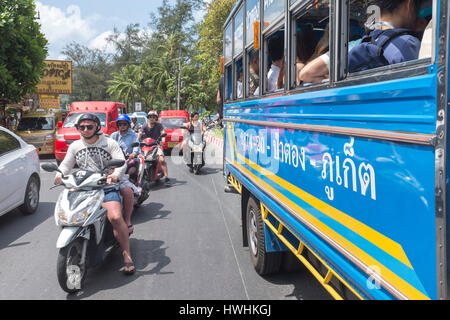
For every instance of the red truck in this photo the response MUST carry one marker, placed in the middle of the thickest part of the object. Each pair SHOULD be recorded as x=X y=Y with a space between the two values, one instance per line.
x=106 y=111
x=172 y=120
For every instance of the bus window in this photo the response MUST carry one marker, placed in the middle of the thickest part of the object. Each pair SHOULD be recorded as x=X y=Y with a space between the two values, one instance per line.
x=312 y=43
x=252 y=16
x=400 y=40
x=228 y=44
x=239 y=32
x=253 y=73
x=274 y=46
x=273 y=9
x=228 y=82
x=239 y=79
x=252 y=64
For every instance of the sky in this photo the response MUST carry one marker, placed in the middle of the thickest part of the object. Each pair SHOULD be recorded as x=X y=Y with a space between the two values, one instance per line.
x=90 y=22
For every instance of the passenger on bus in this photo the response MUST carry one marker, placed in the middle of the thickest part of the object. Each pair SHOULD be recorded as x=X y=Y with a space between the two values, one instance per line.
x=398 y=45
x=276 y=51
x=253 y=80
x=317 y=69
x=239 y=86
x=425 y=18
x=306 y=43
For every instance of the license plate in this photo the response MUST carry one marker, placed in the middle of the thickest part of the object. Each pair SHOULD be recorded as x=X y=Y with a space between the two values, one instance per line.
x=172 y=144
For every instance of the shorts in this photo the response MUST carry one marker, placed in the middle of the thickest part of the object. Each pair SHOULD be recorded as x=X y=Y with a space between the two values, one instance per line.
x=111 y=194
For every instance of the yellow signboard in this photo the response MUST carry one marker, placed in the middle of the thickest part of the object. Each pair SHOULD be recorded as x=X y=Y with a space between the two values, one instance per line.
x=57 y=78
x=47 y=101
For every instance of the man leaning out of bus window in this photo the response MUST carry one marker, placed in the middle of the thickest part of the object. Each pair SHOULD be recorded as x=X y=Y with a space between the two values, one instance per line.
x=396 y=14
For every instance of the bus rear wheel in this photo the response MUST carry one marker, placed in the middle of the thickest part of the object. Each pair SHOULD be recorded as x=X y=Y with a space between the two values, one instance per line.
x=265 y=263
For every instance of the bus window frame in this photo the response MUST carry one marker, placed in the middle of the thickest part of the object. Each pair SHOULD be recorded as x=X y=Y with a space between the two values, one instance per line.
x=396 y=71
x=235 y=77
x=263 y=62
x=240 y=7
x=296 y=11
x=228 y=64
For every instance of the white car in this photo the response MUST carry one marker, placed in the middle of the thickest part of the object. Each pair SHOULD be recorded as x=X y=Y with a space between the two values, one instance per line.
x=19 y=174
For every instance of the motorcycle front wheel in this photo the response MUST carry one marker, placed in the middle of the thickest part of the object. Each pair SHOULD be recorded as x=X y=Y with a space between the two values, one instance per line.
x=71 y=273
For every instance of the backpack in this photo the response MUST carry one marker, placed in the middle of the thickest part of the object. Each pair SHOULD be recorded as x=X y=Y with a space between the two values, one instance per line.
x=369 y=53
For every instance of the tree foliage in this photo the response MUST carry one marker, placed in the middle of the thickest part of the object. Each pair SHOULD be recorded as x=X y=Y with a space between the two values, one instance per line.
x=22 y=50
x=146 y=66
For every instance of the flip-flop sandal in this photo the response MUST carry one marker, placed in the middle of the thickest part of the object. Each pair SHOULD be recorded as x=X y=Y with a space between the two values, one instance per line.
x=127 y=266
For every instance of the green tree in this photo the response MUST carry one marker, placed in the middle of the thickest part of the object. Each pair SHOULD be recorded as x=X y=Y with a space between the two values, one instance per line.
x=210 y=47
x=91 y=71
x=22 y=50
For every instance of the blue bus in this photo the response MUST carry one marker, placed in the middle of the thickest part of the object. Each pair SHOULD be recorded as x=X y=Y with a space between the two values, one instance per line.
x=347 y=171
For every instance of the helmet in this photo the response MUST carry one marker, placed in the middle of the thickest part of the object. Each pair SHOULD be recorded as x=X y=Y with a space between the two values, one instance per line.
x=152 y=113
x=123 y=117
x=133 y=116
x=91 y=117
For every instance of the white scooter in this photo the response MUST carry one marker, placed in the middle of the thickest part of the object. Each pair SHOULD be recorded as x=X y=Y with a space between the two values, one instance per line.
x=86 y=237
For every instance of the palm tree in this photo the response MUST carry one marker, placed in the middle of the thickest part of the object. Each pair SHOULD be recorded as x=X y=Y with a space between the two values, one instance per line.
x=125 y=85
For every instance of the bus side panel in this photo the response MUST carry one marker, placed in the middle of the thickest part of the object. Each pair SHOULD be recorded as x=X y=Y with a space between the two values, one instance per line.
x=369 y=201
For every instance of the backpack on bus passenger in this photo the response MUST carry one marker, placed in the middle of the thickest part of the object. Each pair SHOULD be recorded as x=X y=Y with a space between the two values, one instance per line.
x=369 y=54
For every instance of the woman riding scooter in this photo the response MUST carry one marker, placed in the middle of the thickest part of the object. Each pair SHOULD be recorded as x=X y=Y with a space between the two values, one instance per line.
x=126 y=137
x=195 y=126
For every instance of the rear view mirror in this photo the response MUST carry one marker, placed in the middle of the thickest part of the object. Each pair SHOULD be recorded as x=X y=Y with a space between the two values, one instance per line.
x=163 y=135
x=49 y=167
x=59 y=124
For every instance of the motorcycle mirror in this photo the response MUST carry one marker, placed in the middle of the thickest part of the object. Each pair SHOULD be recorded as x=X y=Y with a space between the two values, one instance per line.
x=153 y=143
x=163 y=135
x=49 y=167
x=115 y=163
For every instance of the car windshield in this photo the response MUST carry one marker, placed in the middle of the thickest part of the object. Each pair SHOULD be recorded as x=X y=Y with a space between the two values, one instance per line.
x=141 y=120
x=171 y=123
x=35 y=123
x=72 y=118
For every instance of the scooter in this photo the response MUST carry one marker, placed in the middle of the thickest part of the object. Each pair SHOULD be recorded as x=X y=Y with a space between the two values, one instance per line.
x=193 y=151
x=152 y=170
x=139 y=181
x=86 y=237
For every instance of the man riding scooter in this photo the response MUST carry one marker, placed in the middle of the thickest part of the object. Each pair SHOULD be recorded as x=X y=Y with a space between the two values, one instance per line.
x=153 y=129
x=92 y=152
x=126 y=137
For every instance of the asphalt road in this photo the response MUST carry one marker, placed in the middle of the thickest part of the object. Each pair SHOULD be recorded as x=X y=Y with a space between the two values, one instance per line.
x=187 y=244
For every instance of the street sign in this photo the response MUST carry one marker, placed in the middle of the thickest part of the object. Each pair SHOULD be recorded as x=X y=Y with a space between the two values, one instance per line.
x=57 y=78
x=137 y=106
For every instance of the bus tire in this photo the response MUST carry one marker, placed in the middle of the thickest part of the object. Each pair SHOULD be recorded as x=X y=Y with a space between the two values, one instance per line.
x=265 y=263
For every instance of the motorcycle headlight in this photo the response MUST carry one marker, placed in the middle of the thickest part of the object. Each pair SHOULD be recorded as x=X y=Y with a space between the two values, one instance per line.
x=74 y=216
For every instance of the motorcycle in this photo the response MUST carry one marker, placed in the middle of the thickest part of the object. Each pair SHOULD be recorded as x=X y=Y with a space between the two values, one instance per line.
x=151 y=169
x=139 y=181
x=193 y=151
x=86 y=237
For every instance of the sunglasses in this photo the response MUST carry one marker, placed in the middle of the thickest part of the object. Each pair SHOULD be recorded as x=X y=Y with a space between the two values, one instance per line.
x=88 y=127
x=122 y=124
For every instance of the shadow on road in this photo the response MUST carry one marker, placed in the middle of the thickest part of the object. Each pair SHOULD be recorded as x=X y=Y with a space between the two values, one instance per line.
x=149 y=258
x=14 y=224
x=149 y=211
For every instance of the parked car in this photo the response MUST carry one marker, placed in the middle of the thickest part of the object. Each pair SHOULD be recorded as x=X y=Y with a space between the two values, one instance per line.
x=19 y=174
